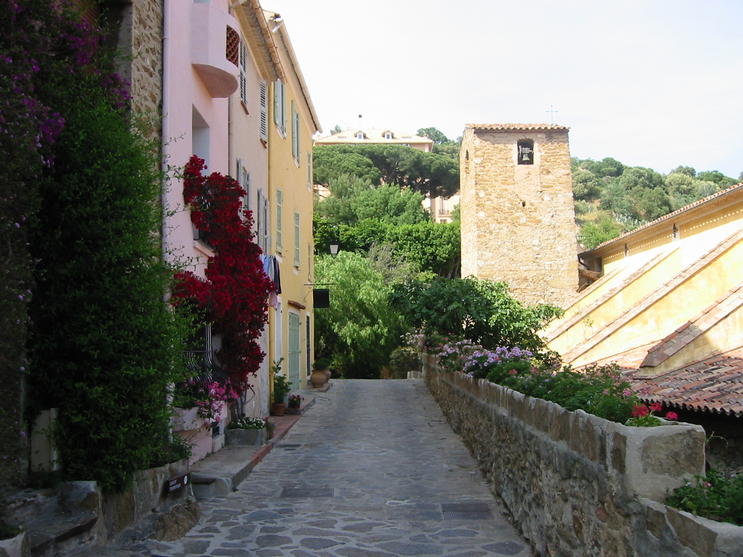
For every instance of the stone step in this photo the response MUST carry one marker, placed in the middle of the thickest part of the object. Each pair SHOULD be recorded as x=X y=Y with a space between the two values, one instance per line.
x=57 y=521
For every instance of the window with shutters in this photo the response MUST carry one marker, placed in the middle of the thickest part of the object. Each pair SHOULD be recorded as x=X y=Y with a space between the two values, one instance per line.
x=279 y=209
x=263 y=98
x=243 y=178
x=262 y=237
x=279 y=106
x=243 y=74
x=295 y=134
x=296 y=240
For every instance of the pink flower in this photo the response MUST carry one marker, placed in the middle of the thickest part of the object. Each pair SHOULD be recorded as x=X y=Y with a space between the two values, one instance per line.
x=639 y=411
x=512 y=372
x=672 y=416
x=627 y=392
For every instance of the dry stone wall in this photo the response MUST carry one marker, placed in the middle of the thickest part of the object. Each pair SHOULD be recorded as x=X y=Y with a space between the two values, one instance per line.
x=580 y=485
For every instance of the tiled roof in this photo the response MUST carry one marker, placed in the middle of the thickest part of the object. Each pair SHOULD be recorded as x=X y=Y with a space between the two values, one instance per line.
x=712 y=385
x=373 y=136
x=517 y=127
x=675 y=213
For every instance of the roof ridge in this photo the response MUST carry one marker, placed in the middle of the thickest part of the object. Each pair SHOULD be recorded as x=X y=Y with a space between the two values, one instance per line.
x=672 y=214
x=516 y=126
x=659 y=353
x=648 y=265
x=654 y=296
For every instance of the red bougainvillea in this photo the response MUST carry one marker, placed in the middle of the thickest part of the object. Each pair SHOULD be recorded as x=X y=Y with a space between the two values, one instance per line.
x=235 y=293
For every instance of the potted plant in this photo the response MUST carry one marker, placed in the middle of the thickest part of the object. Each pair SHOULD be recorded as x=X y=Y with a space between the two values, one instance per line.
x=281 y=388
x=246 y=431
x=295 y=402
x=320 y=372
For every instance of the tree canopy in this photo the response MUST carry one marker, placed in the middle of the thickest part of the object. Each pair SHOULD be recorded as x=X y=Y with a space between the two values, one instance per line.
x=611 y=198
x=426 y=173
x=353 y=199
x=361 y=327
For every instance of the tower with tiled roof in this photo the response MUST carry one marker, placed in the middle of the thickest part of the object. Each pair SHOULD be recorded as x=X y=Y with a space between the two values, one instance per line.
x=518 y=221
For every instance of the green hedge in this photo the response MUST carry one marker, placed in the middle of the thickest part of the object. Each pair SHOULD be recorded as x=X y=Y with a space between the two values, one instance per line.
x=105 y=346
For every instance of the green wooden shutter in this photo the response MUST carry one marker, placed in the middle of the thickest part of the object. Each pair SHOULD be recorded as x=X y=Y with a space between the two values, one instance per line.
x=296 y=239
x=279 y=209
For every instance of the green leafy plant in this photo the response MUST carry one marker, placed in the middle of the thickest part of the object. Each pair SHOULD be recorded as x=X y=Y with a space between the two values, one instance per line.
x=103 y=347
x=713 y=496
x=321 y=364
x=361 y=327
x=281 y=385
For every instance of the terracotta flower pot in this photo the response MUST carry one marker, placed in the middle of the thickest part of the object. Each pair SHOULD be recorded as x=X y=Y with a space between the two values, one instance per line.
x=319 y=377
x=278 y=409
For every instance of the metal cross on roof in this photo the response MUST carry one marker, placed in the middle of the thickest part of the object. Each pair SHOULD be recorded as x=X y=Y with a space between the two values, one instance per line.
x=552 y=113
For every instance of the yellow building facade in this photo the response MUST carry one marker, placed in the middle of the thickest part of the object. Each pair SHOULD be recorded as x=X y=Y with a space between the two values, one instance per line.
x=292 y=122
x=670 y=297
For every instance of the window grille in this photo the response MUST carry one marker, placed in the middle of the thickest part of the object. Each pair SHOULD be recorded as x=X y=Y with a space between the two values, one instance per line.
x=232 y=46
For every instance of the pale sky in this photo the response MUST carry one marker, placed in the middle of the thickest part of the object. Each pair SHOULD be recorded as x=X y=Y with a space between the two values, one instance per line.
x=655 y=83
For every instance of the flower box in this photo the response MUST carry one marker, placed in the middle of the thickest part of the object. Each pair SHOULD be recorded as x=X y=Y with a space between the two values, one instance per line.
x=243 y=437
x=188 y=419
x=16 y=546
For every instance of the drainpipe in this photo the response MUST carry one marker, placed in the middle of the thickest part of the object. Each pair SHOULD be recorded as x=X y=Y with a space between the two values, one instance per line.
x=165 y=127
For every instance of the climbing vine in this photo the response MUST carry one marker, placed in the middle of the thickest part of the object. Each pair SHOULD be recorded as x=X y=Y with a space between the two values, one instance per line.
x=234 y=294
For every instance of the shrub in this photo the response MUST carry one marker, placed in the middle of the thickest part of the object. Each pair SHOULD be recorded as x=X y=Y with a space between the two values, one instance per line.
x=712 y=496
x=479 y=310
x=104 y=347
x=404 y=359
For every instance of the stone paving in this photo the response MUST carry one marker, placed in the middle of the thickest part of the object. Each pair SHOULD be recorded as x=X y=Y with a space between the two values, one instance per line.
x=373 y=469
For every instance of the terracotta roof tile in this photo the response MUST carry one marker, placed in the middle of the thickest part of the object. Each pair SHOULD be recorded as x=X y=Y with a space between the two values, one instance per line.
x=711 y=385
x=517 y=127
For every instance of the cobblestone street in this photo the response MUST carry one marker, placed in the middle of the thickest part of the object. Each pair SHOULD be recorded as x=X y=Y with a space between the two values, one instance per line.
x=372 y=469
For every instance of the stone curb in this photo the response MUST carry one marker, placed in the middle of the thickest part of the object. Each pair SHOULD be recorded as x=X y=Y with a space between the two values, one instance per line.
x=220 y=473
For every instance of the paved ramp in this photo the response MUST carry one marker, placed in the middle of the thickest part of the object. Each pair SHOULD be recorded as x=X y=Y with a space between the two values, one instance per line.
x=372 y=469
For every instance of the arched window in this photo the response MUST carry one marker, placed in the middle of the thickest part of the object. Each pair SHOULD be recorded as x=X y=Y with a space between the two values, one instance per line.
x=360 y=135
x=388 y=135
x=525 y=151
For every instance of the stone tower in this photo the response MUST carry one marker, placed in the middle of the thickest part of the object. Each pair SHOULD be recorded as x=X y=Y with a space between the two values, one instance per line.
x=518 y=221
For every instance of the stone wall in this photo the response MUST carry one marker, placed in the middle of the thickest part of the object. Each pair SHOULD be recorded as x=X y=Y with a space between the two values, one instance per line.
x=139 y=44
x=579 y=485
x=518 y=221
